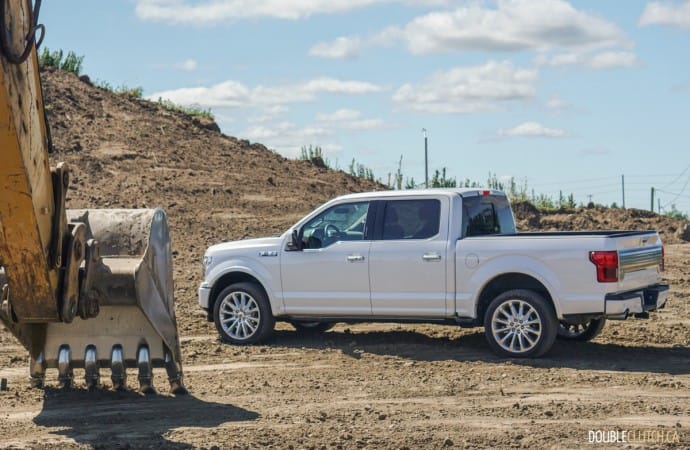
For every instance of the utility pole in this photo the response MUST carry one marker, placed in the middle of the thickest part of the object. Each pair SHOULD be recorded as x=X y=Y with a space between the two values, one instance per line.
x=652 y=207
x=659 y=205
x=623 y=189
x=426 y=160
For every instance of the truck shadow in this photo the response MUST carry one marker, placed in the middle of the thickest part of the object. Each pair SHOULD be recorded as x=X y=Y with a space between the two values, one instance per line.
x=472 y=346
x=109 y=419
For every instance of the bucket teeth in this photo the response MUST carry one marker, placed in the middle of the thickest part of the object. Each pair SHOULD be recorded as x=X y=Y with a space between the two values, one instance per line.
x=37 y=371
x=92 y=376
x=174 y=370
x=145 y=370
x=65 y=373
x=145 y=362
x=117 y=367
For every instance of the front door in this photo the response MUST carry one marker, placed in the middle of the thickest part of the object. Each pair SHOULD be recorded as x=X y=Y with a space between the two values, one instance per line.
x=330 y=275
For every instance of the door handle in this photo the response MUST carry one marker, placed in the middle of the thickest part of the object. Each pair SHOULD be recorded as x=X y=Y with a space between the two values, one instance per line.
x=355 y=258
x=431 y=257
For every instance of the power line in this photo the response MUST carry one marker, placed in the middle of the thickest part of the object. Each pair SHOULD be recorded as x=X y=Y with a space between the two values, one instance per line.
x=677 y=196
x=678 y=177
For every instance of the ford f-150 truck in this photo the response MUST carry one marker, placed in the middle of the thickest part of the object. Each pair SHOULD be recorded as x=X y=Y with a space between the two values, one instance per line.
x=449 y=256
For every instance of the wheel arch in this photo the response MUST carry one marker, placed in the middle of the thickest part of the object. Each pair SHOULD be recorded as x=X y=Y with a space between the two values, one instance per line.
x=232 y=277
x=509 y=281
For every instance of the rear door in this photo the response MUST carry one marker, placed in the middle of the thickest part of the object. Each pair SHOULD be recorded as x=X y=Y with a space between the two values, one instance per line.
x=408 y=258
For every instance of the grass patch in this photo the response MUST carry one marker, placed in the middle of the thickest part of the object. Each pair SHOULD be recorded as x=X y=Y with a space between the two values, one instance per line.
x=189 y=110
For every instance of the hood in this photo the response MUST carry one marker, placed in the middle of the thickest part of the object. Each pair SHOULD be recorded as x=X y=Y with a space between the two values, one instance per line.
x=243 y=246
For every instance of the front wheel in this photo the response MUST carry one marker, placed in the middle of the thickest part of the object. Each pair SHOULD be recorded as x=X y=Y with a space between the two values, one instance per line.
x=242 y=314
x=520 y=324
x=581 y=331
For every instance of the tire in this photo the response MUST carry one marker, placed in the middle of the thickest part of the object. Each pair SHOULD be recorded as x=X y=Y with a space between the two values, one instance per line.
x=520 y=324
x=242 y=314
x=581 y=332
x=312 y=327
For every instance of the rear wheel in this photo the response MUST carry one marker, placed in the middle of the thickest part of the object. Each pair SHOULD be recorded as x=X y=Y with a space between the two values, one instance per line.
x=242 y=314
x=312 y=327
x=581 y=331
x=520 y=324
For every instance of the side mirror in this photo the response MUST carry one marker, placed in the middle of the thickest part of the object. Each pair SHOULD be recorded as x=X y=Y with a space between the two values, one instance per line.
x=295 y=243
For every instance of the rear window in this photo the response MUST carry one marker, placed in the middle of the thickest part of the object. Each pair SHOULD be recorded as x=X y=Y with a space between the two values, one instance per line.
x=486 y=214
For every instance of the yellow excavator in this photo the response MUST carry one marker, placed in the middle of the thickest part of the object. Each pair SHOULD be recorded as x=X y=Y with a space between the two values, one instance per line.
x=89 y=289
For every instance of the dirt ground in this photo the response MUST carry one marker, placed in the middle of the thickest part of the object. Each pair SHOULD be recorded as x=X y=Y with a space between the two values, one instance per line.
x=356 y=386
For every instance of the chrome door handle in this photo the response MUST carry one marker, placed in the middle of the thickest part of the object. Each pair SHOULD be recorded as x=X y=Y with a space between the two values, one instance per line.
x=431 y=257
x=355 y=258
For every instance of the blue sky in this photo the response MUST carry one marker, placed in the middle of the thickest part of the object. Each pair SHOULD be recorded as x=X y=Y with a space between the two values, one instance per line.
x=563 y=96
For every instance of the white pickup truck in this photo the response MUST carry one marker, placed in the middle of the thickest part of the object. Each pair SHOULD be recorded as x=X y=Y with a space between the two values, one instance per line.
x=449 y=256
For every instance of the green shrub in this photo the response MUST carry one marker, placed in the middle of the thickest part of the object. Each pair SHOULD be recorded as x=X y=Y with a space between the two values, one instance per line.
x=70 y=63
x=314 y=155
x=135 y=92
x=190 y=110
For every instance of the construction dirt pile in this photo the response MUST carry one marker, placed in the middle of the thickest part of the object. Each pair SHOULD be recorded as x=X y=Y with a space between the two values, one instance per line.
x=356 y=386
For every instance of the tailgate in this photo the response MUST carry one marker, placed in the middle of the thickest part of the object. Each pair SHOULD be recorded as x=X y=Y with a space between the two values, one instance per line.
x=640 y=257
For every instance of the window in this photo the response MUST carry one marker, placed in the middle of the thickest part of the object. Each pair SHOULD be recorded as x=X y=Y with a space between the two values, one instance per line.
x=484 y=215
x=411 y=219
x=345 y=222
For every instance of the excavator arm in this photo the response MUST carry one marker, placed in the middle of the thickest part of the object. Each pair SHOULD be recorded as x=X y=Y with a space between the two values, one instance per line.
x=84 y=289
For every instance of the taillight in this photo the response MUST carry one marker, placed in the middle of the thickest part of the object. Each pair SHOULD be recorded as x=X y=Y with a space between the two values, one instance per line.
x=607 y=265
x=662 y=264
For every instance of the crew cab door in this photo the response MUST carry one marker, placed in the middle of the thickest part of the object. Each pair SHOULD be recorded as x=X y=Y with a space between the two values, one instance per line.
x=329 y=276
x=408 y=258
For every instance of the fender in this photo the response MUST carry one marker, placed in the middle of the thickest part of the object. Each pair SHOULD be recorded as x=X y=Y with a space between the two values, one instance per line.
x=487 y=271
x=254 y=269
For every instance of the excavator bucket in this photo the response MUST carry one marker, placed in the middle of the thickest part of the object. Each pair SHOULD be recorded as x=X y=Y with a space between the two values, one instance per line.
x=87 y=289
x=125 y=316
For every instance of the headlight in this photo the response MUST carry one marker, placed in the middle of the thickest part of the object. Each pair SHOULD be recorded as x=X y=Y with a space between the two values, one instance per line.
x=207 y=261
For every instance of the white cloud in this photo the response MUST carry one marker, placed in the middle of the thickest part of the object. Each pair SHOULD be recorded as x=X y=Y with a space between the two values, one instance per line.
x=341 y=48
x=532 y=129
x=335 y=86
x=219 y=11
x=468 y=89
x=665 y=13
x=557 y=103
x=233 y=94
x=608 y=60
x=597 y=61
x=188 y=65
x=349 y=119
x=513 y=25
x=288 y=137
x=229 y=94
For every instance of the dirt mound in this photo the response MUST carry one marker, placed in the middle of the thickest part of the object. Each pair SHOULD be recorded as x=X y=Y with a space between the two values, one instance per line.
x=529 y=218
